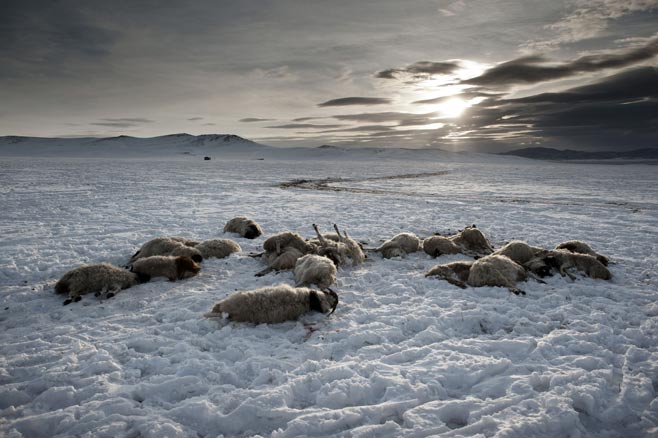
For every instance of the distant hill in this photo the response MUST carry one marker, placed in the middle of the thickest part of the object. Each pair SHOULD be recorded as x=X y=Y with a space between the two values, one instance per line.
x=127 y=146
x=215 y=146
x=569 y=154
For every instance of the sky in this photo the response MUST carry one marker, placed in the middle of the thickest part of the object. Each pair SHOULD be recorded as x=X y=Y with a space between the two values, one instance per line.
x=481 y=75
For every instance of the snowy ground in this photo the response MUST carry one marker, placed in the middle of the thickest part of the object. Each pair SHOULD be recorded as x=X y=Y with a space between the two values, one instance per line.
x=402 y=356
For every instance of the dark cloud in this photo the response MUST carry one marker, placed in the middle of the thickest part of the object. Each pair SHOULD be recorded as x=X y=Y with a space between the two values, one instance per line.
x=629 y=85
x=125 y=122
x=467 y=95
x=254 y=119
x=426 y=68
x=364 y=128
x=43 y=37
x=535 y=69
x=397 y=117
x=304 y=126
x=114 y=124
x=617 y=112
x=306 y=119
x=344 y=101
x=387 y=74
x=135 y=120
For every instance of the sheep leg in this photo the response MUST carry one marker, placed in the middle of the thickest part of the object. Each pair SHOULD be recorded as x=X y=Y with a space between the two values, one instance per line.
x=453 y=281
x=135 y=256
x=340 y=237
x=323 y=242
x=110 y=293
x=457 y=283
x=73 y=298
x=564 y=272
x=535 y=277
x=469 y=253
x=370 y=248
x=264 y=272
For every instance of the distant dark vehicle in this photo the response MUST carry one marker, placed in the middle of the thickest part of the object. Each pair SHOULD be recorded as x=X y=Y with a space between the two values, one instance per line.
x=207 y=158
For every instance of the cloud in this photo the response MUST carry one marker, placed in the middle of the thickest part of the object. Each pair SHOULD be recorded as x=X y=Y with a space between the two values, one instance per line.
x=535 y=69
x=466 y=95
x=454 y=8
x=135 y=120
x=397 y=117
x=363 y=128
x=639 y=83
x=125 y=122
x=45 y=38
x=421 y=68
x=303 y=126
x=305 y=119
x=254 y=119
x=589 y=19
x=344 y=101
x=114 y=124
x=616 y=112
x=282 y=73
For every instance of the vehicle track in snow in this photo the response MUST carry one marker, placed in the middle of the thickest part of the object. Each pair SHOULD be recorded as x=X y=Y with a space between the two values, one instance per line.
x=342 y=185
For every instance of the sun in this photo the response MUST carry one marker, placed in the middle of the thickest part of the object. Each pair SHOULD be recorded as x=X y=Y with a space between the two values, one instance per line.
x=453 y=108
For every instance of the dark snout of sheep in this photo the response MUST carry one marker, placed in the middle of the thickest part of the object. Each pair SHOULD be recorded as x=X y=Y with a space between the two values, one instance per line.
x=252 y=232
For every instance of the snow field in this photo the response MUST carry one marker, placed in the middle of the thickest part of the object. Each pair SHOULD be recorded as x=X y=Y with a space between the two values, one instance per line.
x=403 y=355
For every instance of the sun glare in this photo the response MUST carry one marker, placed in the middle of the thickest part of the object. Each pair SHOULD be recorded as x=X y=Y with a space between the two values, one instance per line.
x=453 y=108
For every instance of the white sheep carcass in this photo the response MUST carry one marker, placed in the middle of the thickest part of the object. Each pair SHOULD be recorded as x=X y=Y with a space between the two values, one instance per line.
x=563 y=262
x=580 y=247
x=492 y=270
x=174 y=268
x=338 y=247
x=315 y=269
x=519 y=251
x=282 y=251
x=400 y=245
x=274 y=304
x=103 y=279
x=243 y=226
x=436 y=246
x=219 y=248
x=166 y=246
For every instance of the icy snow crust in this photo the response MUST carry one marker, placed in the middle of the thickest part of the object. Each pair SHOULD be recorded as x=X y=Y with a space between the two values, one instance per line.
x=403 y=355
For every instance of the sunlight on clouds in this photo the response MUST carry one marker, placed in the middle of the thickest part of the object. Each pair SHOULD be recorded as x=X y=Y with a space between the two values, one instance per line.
x=452 y=108
x=442 y=93
x=420 y=127
x=470 y=69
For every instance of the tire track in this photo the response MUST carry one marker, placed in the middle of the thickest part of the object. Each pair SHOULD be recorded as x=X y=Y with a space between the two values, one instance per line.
x=328 y=184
